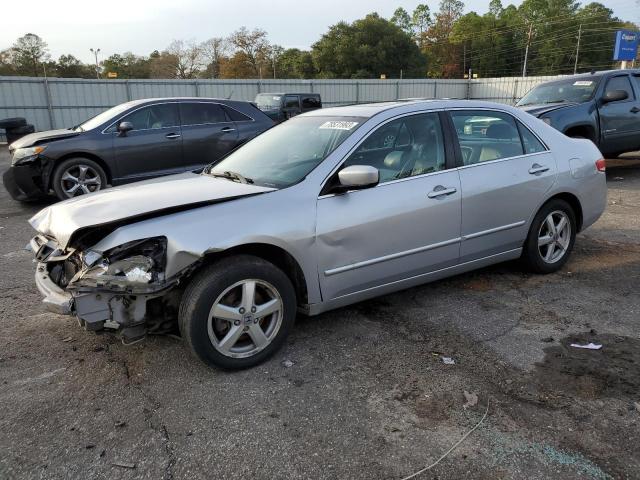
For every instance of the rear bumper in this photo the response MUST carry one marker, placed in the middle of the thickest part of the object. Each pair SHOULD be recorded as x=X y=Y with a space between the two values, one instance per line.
x=24 y=182
x=55 y=299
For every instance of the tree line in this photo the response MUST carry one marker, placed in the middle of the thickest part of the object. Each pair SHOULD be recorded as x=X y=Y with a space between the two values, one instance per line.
x=548 y=37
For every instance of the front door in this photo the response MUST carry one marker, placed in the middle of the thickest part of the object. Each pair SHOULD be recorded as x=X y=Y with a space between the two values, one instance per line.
x=407 y=225
x=153 y=147
x=207 y=133
x=620 y=121
x=505 y=174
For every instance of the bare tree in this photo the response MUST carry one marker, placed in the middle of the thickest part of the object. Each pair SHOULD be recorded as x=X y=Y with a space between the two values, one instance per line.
x=29 y=52
x=214 y=51
x=187 y=56
x=253 y=45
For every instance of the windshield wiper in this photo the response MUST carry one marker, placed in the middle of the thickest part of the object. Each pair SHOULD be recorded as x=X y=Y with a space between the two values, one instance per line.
x=233 y=176
x=561 y=100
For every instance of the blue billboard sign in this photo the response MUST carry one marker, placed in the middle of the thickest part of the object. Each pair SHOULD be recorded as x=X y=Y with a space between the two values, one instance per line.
x=626 y=45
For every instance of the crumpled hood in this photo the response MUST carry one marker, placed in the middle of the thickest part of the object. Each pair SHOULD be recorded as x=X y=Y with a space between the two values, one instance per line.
x=42 y=137
x=539 y=110
x=157 y=196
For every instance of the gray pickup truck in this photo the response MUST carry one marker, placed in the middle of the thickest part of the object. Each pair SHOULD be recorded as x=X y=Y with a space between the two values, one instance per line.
x=601 y=106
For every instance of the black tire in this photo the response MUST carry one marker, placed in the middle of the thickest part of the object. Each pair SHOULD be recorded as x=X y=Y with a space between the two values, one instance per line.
x=208 y=285
x=12 y=122
x=71 y=163
x=532 y=255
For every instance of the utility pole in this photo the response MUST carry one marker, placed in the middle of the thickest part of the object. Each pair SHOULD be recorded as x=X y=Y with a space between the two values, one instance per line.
x=464 y=56
x=575 y=66
x=95 y=53
x=526 y=51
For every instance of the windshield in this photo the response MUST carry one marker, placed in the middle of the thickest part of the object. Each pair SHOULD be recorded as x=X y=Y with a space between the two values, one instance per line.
x=285 y=154
x=573 y=90
x=102 y=117
x=268 y=101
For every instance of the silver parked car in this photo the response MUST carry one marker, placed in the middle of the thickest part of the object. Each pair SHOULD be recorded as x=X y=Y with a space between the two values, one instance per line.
x=332 y=207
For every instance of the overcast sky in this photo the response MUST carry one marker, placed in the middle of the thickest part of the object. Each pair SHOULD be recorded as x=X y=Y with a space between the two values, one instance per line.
x=142 y=26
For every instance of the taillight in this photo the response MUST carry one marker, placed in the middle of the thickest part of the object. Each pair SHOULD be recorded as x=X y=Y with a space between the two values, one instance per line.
x=601 y=165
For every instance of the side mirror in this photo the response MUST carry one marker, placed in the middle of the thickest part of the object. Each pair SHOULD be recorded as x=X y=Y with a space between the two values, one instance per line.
x=614 y=96
x=124 y=127
x=356 y=177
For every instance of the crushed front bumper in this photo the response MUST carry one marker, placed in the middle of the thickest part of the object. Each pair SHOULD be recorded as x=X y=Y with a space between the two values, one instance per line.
x=55 y=299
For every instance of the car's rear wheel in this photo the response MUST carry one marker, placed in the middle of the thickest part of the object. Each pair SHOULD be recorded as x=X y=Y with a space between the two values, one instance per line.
x=78 y=176
x=237 y=312
x=551 y=237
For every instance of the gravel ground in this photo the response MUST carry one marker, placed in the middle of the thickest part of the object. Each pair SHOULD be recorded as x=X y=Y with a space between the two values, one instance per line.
x=367 y=396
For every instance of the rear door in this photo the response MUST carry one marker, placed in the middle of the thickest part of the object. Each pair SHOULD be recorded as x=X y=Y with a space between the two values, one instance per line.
x=505 y=172
x=153 y=147
x=620 y=121
x=207 y=133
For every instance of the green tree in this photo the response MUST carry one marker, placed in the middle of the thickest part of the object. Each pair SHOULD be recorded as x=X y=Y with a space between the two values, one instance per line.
x=295 y=63
x=402 y=19
x=367 y=47
x=69 y=66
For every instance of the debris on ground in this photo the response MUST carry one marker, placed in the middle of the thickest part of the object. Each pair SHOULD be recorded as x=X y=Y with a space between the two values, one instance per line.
x=448 y=361
x=547 y=339
x=121 y=424
x=637 y=405
x=124 y=464
x=588 y=346
x=287 y=364
x=471 y=399
x=68 y=339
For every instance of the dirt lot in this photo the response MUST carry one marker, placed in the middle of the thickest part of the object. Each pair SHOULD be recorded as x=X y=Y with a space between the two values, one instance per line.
x=368 y=395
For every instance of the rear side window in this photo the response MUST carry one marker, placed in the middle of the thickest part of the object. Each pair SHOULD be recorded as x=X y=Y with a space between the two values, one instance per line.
x=291 y=102
x=485 y=135
x=530 y=142
x=201 y=113
x=236 y=116
x=152 y=117
x=311 y=102
x=621 y=83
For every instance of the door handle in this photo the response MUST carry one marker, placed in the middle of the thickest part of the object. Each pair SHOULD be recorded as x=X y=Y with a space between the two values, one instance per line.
x=441 y=191
x=635 y=110
x=228 y=129
x=537 y=168
x=172 y=135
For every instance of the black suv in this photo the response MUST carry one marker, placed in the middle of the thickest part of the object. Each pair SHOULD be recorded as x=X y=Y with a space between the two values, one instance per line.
x=129 y=142
x=601 y=106
x=282 y=106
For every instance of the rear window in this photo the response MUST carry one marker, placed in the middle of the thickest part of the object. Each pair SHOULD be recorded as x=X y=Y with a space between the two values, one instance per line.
x=201 y=113
x=311 y=102
x=236 y=116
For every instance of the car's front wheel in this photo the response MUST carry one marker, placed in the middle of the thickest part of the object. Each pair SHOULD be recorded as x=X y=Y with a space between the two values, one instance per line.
x=77 y=176
x=551 y=237
x=237 y=312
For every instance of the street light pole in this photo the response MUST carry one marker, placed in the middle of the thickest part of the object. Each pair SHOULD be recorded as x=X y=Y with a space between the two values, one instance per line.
x=575 y=65
x=526 y=51
x=95 y=53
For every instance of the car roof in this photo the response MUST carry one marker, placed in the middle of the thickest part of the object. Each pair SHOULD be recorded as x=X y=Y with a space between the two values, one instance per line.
x=142 y=101
x=289 y=93
x=368 y=110
x=598 y=74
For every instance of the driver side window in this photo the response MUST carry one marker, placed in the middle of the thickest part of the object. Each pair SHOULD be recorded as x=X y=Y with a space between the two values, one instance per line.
x=152 y=117
x=402 y=148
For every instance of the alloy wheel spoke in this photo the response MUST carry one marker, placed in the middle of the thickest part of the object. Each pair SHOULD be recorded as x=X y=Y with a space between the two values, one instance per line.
x=550 y=251
x=225 y=312
x=92 y=181
x=267 y=308
x=545 y=240
x=67 y=177
x=72 y=191
x=248 y=294
x=561 y=224
x=257 y=335
x=85 y=189
x=231 y=338
x=551 y=227
x=83 y=172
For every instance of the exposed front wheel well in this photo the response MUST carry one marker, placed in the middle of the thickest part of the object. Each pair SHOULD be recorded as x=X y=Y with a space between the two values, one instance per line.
x=582 y=131
x=275 y=255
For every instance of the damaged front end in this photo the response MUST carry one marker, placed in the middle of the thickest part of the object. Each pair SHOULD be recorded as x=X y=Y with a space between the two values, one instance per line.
x=123 y=289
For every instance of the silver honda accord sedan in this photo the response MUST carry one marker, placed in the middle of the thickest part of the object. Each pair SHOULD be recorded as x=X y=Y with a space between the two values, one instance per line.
x=329 y=208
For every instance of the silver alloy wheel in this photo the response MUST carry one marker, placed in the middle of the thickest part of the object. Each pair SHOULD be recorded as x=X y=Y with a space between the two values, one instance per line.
x=245 y=318
x=554 y=236
x=80 y=179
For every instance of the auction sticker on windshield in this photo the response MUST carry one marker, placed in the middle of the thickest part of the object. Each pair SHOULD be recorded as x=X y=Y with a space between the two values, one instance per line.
x=583 y=83
x=338 y=125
